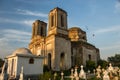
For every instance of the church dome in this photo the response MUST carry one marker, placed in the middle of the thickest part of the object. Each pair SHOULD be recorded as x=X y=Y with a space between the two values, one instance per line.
x=22 y=51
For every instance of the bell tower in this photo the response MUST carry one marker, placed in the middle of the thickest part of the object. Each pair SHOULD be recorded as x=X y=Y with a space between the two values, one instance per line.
x=39 y=28
x=57 y=21
x=38 y=36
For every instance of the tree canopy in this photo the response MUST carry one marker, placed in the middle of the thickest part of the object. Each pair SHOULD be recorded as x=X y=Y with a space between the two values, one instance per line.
x=115 y=60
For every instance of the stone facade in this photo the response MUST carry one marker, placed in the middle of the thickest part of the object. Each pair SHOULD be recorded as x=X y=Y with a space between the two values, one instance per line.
x=62 y=47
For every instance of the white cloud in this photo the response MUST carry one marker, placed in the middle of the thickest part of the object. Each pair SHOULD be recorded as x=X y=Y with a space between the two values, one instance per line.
x=23 y=22
x=111 y=47
x=16 y=37
x=12 y=31
x=27 y=12
x=107 y=30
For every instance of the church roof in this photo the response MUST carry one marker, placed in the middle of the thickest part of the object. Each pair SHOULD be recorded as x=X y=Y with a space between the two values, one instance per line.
x=57 y=8
x=22 y=51
x=76 y=29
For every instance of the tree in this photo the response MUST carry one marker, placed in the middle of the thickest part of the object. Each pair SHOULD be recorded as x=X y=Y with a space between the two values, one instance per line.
x=115 y=60
x=90 y=65
x=103 y=63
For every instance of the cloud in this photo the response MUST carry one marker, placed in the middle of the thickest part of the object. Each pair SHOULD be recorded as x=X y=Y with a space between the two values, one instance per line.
x=23 y=22
x=107 y=30
x=111 y=47
x=109 y=50
x=10 y=39
x=15 y=35
x=117 y=6
x=31 y=13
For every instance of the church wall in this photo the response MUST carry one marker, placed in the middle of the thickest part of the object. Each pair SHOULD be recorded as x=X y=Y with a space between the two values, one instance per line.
x=30 y=69
x=50 y=49
x=62 y=46
x=12 y=66
x=77 y=54
x=87 y=52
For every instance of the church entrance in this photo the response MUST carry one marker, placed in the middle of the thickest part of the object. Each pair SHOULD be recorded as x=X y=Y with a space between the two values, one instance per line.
x=62 y=57
x=49 y=61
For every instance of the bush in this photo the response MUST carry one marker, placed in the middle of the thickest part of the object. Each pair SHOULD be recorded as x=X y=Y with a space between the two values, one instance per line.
x=45 y=68
x=90 y=65
x=45 y=76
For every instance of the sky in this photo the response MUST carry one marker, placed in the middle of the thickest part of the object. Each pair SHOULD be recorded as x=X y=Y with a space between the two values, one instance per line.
x=99 y=18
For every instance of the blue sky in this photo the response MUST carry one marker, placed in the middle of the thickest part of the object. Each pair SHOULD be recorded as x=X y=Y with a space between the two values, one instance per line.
x=98 y=17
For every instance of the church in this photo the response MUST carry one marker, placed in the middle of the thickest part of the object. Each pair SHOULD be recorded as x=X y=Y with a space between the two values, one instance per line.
x=61 y=47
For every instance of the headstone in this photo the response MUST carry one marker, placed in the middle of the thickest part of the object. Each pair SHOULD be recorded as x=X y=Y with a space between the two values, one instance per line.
x=72 y=75
x=98 y=72
x=21 y=74
x=110 y=68
x=28 y=78
x=119 y=72
x=105 y=75
x=55 y=74
x=82 y=74
x=94 y=71
x=76 y=74
x=62 y=74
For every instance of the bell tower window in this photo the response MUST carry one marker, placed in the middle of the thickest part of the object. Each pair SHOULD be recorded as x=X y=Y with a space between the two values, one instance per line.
x=41 y=31
x=62 y=21
x=52 y=21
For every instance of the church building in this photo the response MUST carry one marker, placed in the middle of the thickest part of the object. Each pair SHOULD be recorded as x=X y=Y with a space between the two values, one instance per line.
x=61 y=47
x=22 y=58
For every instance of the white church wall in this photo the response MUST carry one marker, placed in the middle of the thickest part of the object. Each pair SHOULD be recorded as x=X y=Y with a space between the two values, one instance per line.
x=12 y=66
x=30 y=69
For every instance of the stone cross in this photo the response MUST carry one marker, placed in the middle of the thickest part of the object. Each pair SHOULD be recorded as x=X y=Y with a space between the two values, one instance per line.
x=106 y=76
x=62 y=74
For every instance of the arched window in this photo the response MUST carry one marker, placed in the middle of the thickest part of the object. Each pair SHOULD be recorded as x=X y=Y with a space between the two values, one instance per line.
x=12 y=67
x=89 y=56
x=52 y=21
x=62 y=56
x=62 y=21
x=31 y=61
x=49 y=61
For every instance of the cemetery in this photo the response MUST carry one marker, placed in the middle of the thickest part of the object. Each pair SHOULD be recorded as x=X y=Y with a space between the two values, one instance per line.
x=78 y=73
